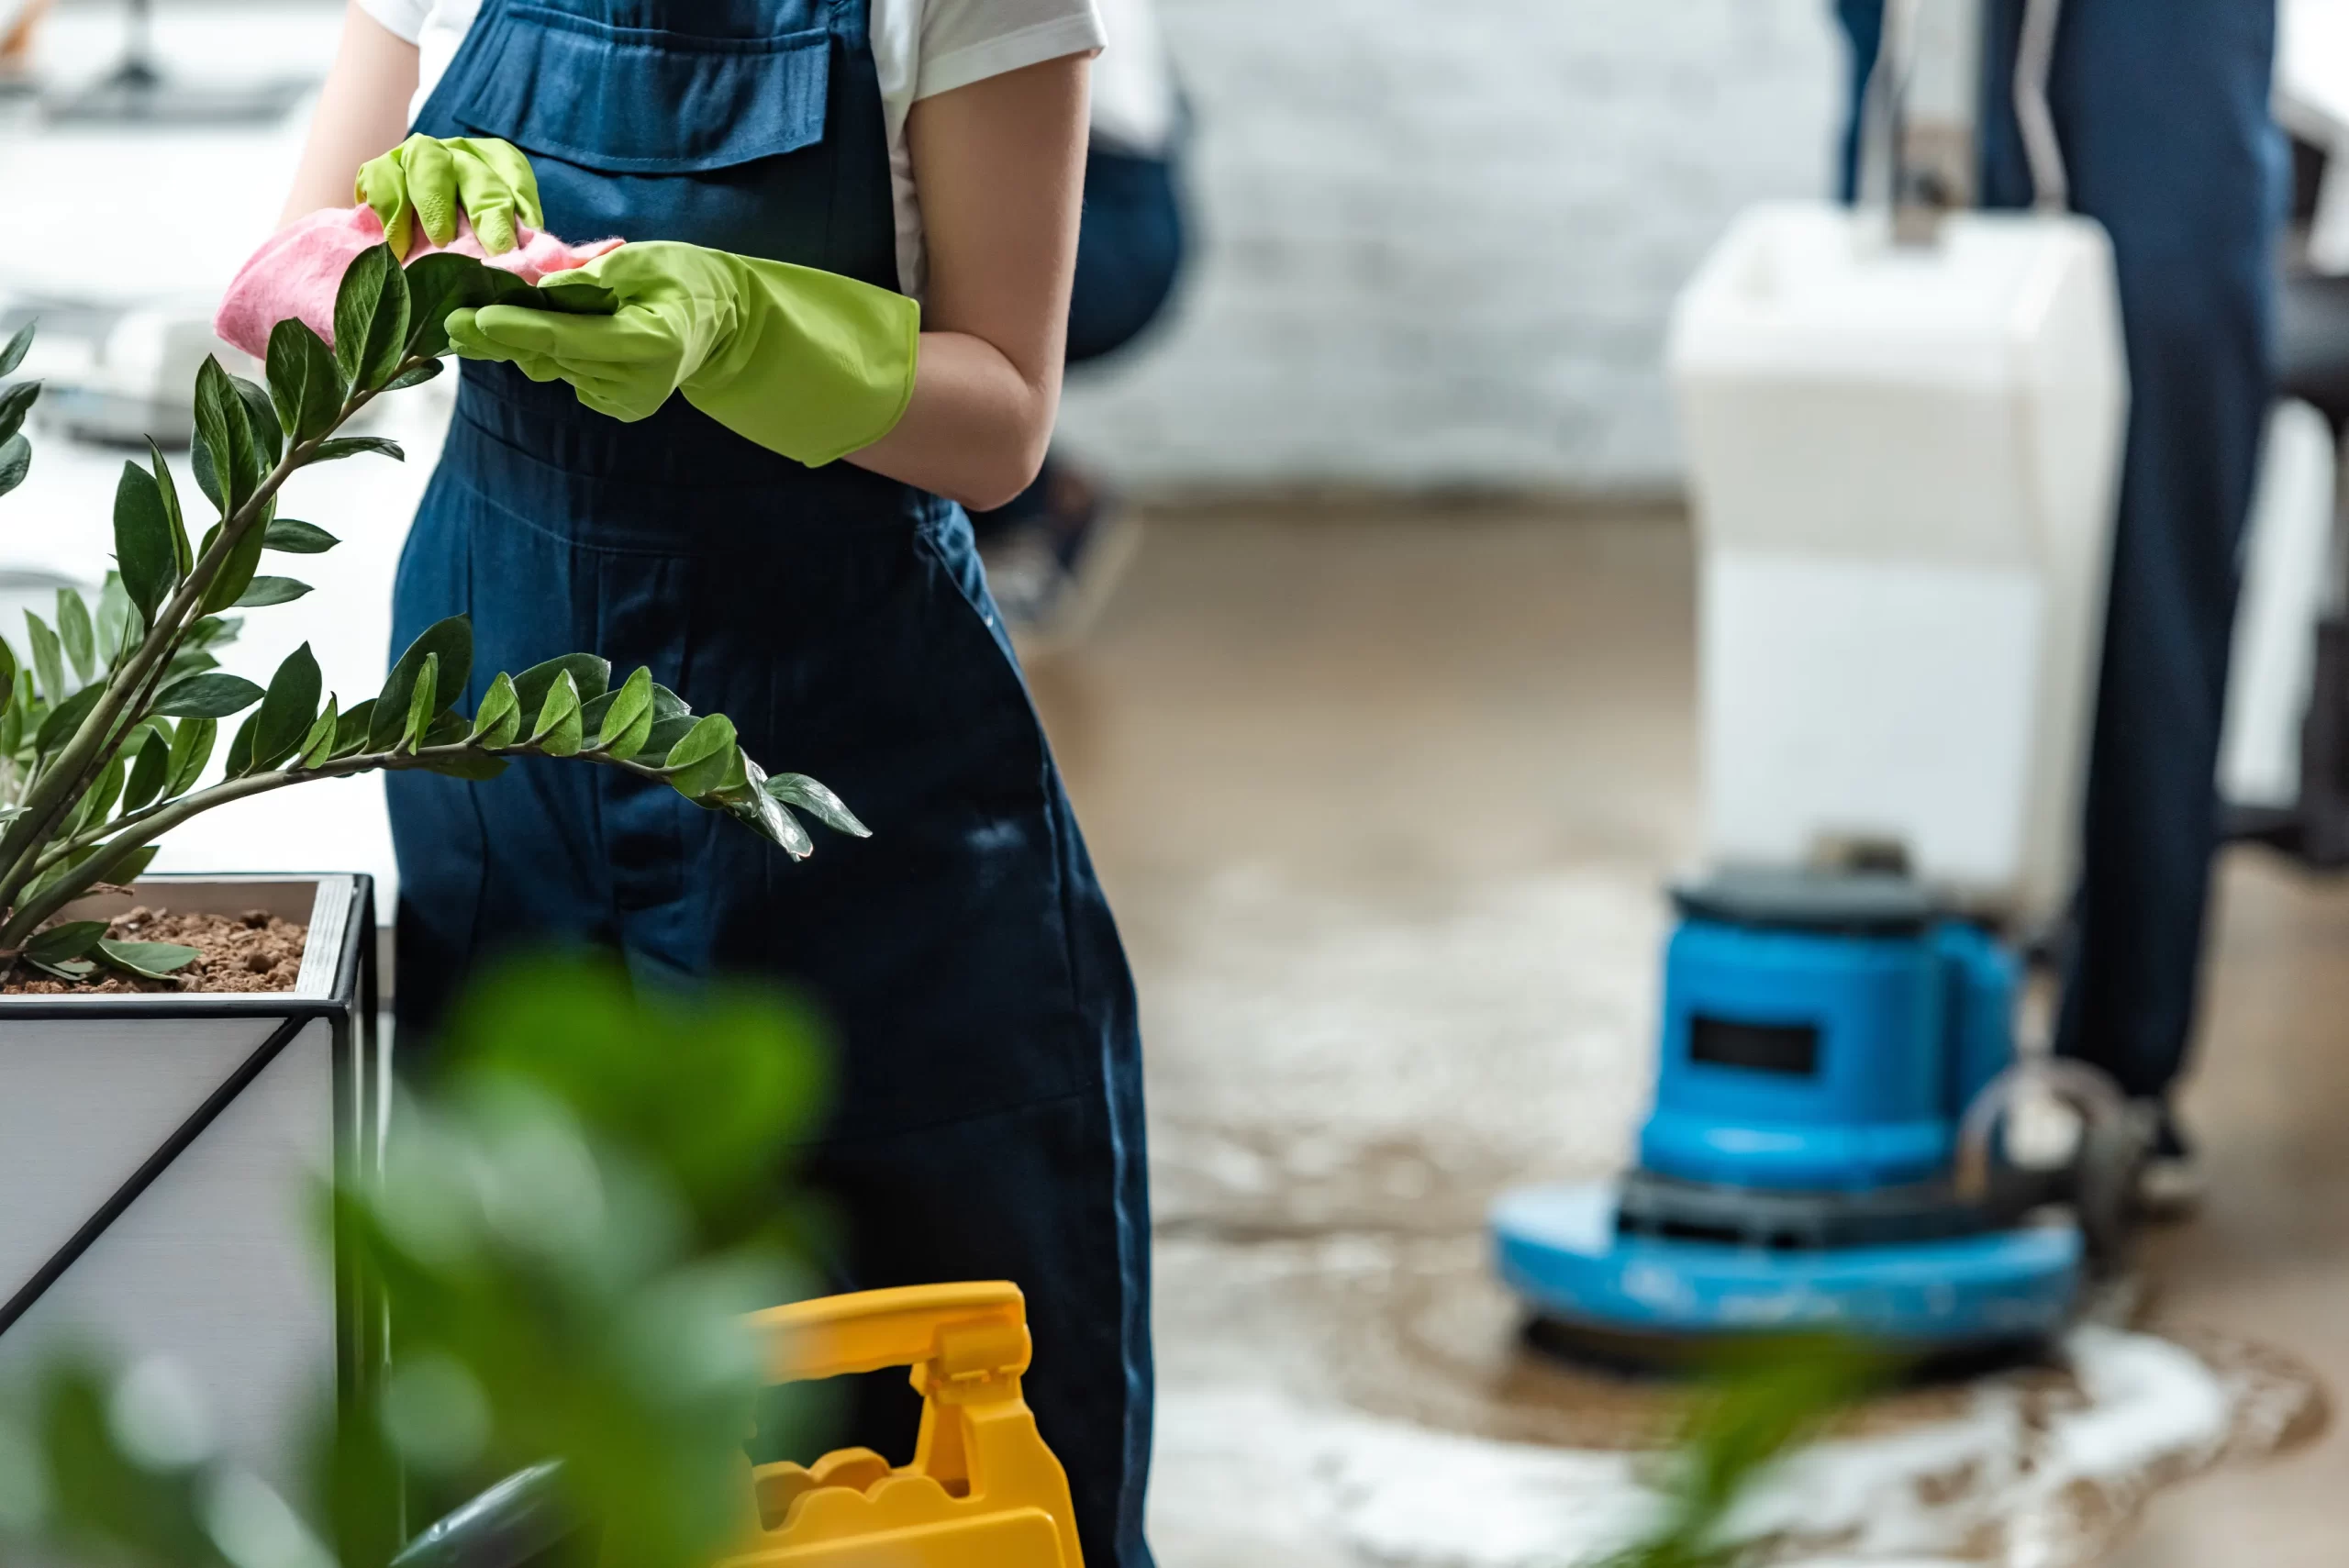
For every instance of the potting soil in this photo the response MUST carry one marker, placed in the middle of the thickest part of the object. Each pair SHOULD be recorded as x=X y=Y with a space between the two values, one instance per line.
x=252 y=951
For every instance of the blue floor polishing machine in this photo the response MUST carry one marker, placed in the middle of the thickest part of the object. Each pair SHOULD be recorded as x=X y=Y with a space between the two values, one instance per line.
x=1825 y=1152
x=1903 y=424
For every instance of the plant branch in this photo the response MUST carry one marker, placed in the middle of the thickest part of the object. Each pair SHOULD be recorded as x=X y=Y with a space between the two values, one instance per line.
x=143 y=827
x=59 y=787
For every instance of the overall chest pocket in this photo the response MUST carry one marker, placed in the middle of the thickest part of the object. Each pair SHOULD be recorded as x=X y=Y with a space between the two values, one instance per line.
x=640 y=100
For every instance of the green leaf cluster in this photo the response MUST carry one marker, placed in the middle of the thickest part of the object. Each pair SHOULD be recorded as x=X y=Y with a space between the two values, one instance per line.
x=567 y=1233
x=110 y=717
x=1758 y=1404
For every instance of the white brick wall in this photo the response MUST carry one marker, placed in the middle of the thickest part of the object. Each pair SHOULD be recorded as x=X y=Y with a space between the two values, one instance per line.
x=1441 y=236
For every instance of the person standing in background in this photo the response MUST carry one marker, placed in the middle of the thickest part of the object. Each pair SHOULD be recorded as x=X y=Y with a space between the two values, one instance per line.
x=1055 y=553
x=850 y=227
x=2162 y=111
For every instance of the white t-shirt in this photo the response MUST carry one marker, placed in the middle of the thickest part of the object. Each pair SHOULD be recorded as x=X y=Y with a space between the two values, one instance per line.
x=920 y=47
x=1133 y=87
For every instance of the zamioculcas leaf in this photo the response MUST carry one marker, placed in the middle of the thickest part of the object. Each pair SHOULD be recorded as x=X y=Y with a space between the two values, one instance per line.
x=416 y=375
x=666 y=733
x=71 y=939
x=7 y=674
x=100 y=801
x=800 y=790
x=199 y=458
x=751 y=803
x=225 y=437
x=699 y=763
x=288 y=710
x=270 y=591
x=215 y=631
x=154 y=960
x=150 y=770
x=591 y=675
x=762 y=811
x=557 y=731
x=60 y=871
x=22 y=707
x=65 y=718
x=591 y=713
x=143 y=546
x=304 y=379
x=472 y=765
x=212 y=695
x=451 y=643
x=351 y=730
x=370 y=319
x=630 y=741
x=297 y=537
x=236 y=571
x=629 y=719
x=15 y=402
x=499 y=718
x=351 y=446
x=132 y=863
x=73 y=630
x=260 y=418
x=117 y=618
x=13 y=353
x=420 y=703
x=240 y=759
x=446 y=280
x=318 y=744
x=16 y=462
x=48 y=659
x=168 y=489
x=190 y=749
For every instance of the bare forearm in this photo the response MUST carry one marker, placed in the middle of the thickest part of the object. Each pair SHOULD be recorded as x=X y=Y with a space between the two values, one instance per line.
x=999 y=164
x=975 y=429
x=363 y=111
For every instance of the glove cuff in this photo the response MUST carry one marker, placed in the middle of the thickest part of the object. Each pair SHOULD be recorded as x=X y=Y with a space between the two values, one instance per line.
x=821 y=366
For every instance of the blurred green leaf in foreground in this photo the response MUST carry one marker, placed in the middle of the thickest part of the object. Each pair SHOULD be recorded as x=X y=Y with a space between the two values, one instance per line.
x=1764 y=1401
x=570 y=1226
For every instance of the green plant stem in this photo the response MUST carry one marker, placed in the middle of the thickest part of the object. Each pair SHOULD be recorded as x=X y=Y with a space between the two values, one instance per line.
x=59 y=787
x=144 y=827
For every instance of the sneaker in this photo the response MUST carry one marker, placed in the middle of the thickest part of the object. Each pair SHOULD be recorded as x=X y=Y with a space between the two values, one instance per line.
x=2170 y=1186
x=1051 y=576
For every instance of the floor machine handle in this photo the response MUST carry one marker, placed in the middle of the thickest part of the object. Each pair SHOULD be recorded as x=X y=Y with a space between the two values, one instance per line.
x=2100 y=1179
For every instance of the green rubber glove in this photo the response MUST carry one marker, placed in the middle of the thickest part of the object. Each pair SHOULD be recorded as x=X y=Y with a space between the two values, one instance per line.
x=807 y=363
x=428 y=180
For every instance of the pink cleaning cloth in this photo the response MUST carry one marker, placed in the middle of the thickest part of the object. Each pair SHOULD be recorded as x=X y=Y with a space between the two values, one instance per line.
x=297 y=269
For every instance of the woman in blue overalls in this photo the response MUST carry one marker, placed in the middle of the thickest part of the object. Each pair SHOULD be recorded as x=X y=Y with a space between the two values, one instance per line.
x=989 y=1118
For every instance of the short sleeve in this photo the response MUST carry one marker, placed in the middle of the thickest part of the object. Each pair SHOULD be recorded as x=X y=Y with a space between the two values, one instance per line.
x=964 y=41
x=403 y=19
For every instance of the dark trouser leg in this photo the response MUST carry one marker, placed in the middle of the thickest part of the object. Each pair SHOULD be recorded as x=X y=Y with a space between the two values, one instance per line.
x=2161 y=110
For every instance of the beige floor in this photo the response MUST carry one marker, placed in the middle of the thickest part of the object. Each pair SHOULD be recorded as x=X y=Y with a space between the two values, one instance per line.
x=1382 y=799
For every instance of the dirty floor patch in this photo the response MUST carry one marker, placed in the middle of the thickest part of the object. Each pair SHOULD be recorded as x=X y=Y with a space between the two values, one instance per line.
x=1384 y=804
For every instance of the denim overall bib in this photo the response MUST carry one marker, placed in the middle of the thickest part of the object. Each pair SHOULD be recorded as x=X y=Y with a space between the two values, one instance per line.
x=989 y=1108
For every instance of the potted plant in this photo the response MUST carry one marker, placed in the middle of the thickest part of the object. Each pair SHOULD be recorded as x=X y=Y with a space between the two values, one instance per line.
x=179 y=1057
